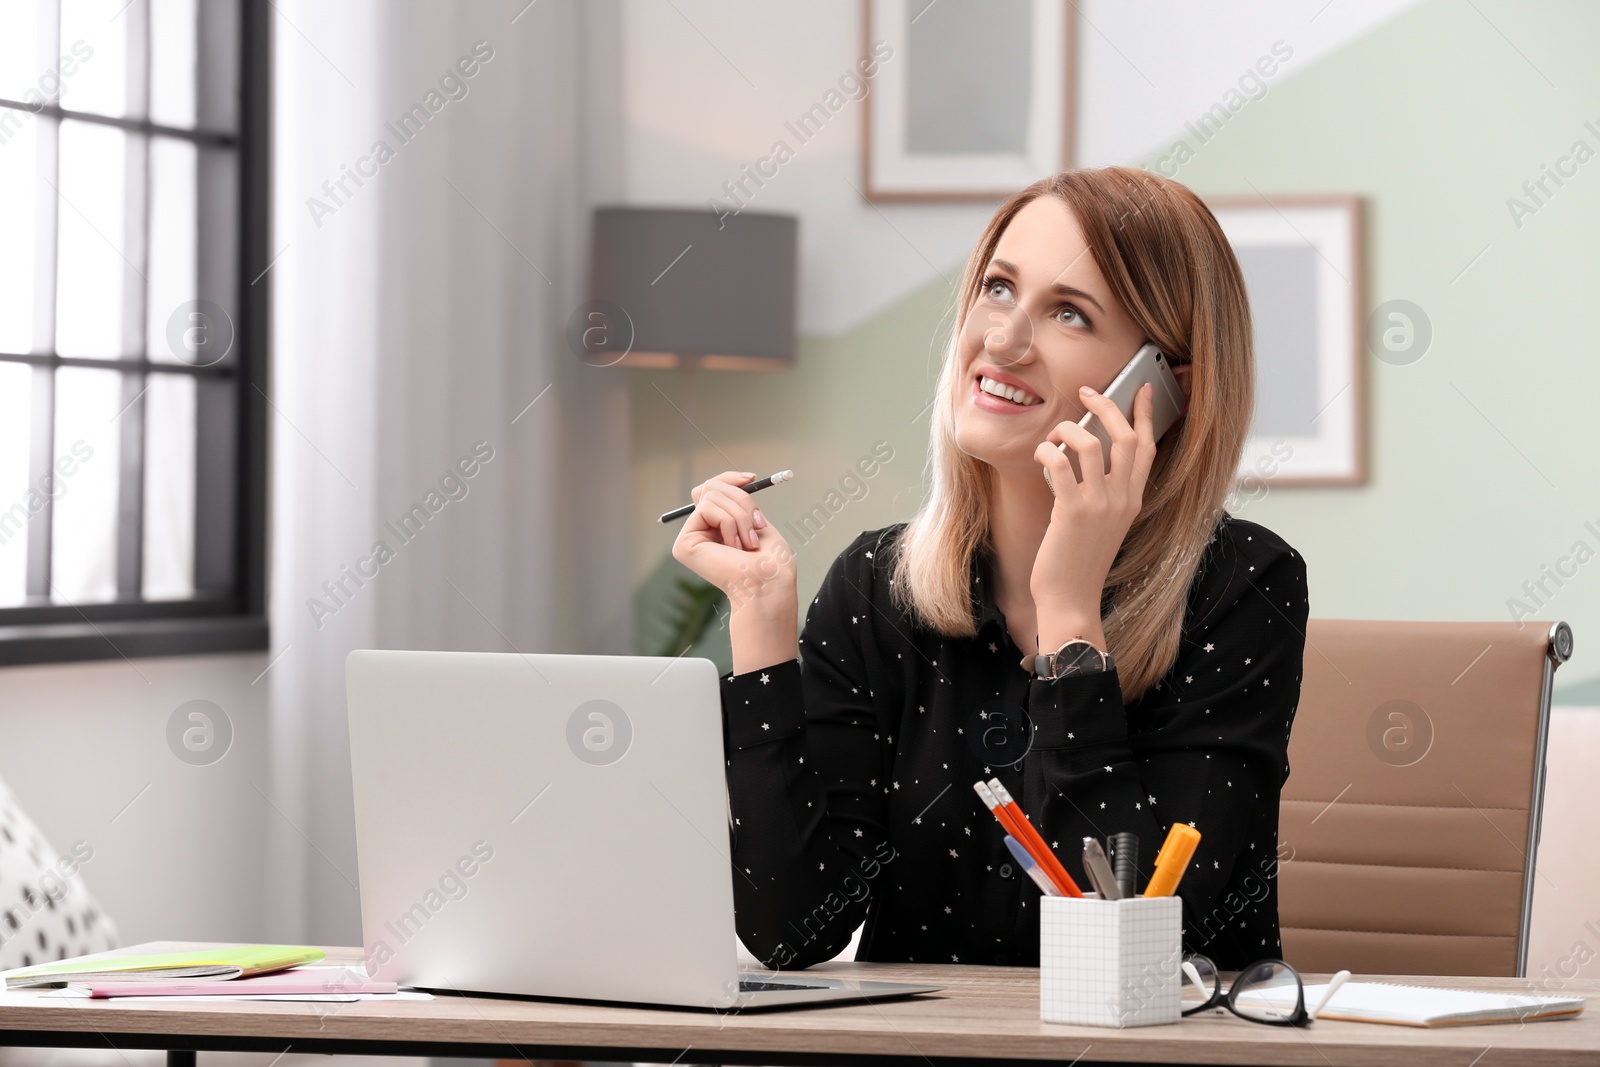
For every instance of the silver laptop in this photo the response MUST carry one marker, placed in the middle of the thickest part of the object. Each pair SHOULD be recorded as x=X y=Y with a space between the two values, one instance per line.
x=553 y=826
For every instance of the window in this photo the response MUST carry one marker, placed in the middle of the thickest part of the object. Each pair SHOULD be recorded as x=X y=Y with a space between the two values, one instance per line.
x=132 y=327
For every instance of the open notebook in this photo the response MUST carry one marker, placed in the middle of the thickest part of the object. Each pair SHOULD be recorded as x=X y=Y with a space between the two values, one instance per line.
x=1413 y=1005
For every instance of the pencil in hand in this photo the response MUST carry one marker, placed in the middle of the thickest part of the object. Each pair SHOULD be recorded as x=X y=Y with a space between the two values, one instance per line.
x=753 y=487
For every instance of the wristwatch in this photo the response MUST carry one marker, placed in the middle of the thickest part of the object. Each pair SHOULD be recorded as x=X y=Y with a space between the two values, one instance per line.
x=1077 y=656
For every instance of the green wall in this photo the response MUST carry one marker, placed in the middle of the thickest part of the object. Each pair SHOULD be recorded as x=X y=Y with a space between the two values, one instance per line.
x=1483 y=467
x=1482 y=453
x=845 y=395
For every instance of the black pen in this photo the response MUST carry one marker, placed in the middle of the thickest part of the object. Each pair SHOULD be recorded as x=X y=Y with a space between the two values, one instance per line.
x=1125 y=860
x=771 y=479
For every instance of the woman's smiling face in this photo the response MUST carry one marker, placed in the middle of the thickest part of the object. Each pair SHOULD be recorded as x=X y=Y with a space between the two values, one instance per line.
x=1043 y=322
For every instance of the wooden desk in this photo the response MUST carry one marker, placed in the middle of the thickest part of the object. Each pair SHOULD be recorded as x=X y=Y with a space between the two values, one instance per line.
x=984 y=1013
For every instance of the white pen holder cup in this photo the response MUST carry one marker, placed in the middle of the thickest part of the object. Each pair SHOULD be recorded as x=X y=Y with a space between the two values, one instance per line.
x=1111 y=962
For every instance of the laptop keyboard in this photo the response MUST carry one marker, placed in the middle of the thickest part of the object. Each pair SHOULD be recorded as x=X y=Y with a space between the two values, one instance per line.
x=755 y=985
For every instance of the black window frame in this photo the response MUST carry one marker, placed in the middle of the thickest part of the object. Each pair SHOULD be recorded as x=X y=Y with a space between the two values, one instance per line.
x=231 y=526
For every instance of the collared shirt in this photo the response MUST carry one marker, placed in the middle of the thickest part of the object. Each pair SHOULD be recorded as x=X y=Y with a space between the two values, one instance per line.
x=850 y=768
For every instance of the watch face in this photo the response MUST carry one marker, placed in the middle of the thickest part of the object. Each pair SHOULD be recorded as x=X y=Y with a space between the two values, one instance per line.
x=1083 y=655
x=1076 y=657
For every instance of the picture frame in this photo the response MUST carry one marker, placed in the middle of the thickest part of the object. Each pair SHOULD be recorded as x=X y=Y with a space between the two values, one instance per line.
x=1304 y=262
x=928 y=129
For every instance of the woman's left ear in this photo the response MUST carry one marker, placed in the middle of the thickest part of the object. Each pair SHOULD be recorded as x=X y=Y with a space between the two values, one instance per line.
x=1181 y=372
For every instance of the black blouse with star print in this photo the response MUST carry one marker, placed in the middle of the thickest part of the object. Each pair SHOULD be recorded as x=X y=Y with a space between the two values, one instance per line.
x=850 y=769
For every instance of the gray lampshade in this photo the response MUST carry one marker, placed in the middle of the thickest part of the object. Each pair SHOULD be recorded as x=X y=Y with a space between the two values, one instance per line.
x=693 y=284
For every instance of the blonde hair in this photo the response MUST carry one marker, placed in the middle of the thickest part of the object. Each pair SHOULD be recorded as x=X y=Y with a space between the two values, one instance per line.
x=1170 y=267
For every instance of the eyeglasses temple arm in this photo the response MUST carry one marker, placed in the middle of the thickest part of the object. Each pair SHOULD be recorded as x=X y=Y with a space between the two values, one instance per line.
x=1327 y=994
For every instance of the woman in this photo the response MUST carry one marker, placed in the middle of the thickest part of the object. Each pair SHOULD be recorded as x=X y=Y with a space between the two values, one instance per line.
x=852 y=752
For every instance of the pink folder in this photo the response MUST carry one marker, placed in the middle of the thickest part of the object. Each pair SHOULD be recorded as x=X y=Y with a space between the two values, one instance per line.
x=296 y=982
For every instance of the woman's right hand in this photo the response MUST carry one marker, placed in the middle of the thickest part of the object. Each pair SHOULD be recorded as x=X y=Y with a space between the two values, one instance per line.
x=728 y=542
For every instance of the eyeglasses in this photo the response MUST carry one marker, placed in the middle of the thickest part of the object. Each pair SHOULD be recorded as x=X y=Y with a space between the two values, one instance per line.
x=1268 y=992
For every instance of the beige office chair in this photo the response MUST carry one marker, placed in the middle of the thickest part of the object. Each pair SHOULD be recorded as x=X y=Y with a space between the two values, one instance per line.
x=1410 y=819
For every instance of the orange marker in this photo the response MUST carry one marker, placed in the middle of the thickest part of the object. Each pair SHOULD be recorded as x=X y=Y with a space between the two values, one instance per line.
x=1030 y=837
x=1172 y=860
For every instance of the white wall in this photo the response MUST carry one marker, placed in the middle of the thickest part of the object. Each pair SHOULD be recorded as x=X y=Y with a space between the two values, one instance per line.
x=709 y=85
x=177 y=848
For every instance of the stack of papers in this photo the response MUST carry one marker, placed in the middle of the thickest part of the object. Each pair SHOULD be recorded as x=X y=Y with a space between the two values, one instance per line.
x=251 y=972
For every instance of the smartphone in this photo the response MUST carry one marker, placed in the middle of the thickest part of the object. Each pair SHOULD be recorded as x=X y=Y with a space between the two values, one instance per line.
x=1149 y=364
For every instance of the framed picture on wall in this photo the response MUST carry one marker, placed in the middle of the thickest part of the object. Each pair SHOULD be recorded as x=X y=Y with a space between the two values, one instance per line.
x=1303 y=265
x=971 y=99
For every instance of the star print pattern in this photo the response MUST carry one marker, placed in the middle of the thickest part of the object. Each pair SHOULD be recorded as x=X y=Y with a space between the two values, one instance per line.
x=876 y=697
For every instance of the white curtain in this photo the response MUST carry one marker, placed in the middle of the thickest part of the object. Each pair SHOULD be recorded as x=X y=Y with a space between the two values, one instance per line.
x=419 y=311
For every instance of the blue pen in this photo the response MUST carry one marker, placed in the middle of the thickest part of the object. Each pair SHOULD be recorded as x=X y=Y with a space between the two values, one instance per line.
x=1029 y=864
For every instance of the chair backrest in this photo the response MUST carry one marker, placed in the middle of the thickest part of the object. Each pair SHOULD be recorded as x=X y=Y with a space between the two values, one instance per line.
x=1410 y=818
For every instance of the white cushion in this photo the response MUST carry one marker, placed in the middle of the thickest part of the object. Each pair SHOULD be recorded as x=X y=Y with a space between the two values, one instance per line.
x=46 y=913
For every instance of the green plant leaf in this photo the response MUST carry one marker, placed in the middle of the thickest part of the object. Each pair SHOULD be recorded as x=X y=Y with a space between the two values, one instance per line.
x=690 y=612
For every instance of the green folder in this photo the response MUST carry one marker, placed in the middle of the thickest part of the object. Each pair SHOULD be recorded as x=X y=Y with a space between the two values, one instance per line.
x=215 y=964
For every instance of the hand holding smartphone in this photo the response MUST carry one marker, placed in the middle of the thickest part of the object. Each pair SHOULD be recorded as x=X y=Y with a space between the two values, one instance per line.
x=1149 y=364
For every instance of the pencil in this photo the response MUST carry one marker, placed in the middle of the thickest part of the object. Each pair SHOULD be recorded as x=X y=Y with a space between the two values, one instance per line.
x=1008 y=824
x=1052 y=866
x=755 y=486
x=1019 y=829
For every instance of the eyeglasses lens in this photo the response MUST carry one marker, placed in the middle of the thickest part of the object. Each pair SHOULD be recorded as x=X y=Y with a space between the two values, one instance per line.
x=1267 y=991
